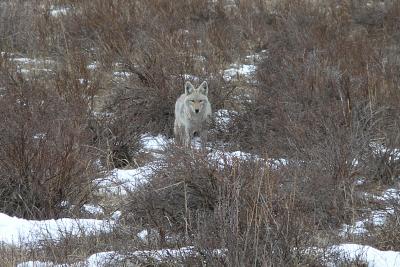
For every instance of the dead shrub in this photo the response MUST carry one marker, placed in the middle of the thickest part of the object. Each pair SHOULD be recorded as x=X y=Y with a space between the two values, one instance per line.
x=320 y=102
x=46 y=164
x=231 y=204
x=386 y=237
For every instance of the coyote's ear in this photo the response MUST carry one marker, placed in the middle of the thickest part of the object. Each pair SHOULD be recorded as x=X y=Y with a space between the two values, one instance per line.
x=189 y=88
x=203 y=88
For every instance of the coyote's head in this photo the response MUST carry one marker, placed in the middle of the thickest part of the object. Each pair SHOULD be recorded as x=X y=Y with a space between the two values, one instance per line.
x=196 y=99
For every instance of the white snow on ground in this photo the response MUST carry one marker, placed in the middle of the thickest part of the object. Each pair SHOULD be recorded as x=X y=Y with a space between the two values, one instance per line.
x=389 y=196
x=143 y=234
x=112 y=257
x=377 y=217
x=27 y=65
x=224 y=158
x=154 y=143
x=32 y=61
x=223 y=117
x=256 y=57
x=370 y=255
x=190 y=77
x=92 y=66
x=122 y=74
x=159 y=255
x=58 y=11
x=236 y=71
x=379 y=149
x=104 y=259
x=93 y=209
x=120 y=181
x=40 y=264
x=17 y=231
x=228 y=158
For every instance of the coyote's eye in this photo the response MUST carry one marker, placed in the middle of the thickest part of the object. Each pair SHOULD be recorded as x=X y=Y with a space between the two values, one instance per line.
x=192 y=101
x=200 y=101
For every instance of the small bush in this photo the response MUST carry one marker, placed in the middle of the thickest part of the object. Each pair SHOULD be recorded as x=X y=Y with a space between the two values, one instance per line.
x=236 y=206
x=46 y=164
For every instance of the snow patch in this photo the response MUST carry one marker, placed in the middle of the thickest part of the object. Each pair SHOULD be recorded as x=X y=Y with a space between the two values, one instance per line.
x=223 y=117
x=372 y=256
x=93 y=209
x=190 y=77
x=376 y=218
x=39 y=264
x=379 y=149
x=119 y=182
x=154 y=143
x=17 y=231
x=122 y=74
x=389 y=196
x=58 y=11
x=92 y=66
x=236 y=71
x=104 y=259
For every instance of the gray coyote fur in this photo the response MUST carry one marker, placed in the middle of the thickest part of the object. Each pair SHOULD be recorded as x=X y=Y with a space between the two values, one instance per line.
x=192 y=114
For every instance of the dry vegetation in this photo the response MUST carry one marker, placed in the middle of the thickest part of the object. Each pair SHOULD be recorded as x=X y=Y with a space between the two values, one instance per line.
x=326 y=87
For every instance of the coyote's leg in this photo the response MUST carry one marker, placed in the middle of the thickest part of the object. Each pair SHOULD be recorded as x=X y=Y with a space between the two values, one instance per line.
x=203 y=138
x=187 y=137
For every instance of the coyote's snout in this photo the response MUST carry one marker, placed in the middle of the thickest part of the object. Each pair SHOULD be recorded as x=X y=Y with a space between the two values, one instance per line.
x=192 y=114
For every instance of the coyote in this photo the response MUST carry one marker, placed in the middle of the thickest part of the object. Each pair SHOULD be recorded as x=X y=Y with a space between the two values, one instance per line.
x=192 y=114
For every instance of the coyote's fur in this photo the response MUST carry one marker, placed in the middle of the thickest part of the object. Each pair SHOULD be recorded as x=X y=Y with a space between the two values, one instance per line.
x=192 y=114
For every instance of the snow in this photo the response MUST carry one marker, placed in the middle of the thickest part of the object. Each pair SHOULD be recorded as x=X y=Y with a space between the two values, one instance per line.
x=190 y=77
x=376 y=217
x=379 y=149
x=17 y=231
x=121 y=181
x=103 y=259
x=256 y=57
x=116 y=215
x=143 y=234
x=111 y=258
x=34 y=61
x=158 y=255
x=154 y=143
x=357 y=229
x=370 y=255
x=224 y=158
x=92 y=66
x=360 y=181
x=389 y=196
x=58 y=11
x=223 y=117
x=93 y=209
x=40 y=136
x=275 y=164
x=39 y=264
x=236 y=70
x=122 y=74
